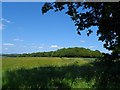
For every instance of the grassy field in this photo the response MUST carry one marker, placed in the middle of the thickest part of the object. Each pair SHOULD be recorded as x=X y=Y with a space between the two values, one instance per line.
x=54 y=73
x=50 y=73
x=31 y=62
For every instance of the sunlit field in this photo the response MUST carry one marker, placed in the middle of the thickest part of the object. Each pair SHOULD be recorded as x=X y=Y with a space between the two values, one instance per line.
x=56 y=73
x=31 y=62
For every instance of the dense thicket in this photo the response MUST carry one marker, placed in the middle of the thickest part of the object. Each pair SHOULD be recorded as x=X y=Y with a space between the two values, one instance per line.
x=64 y=52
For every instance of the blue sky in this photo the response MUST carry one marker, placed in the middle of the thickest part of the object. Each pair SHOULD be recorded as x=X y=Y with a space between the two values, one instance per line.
x=26 y=30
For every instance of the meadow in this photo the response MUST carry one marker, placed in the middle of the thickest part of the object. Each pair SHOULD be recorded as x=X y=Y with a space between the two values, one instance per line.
x=48 y=73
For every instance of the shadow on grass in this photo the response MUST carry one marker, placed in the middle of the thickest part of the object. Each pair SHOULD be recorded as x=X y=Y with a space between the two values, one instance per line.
x=59 y=78
x=108 y=74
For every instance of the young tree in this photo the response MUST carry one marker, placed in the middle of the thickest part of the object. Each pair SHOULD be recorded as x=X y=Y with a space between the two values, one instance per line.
x=104 y=15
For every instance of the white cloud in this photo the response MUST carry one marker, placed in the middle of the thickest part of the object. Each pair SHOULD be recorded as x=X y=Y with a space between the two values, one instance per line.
x=2 y=23
x=8 y=44
x=82 y=41
x=17 y=39
x=91 y=47
x=40 y=47
x=54 y=46
x=2 y=26
x=6 y=48
x=5 y=20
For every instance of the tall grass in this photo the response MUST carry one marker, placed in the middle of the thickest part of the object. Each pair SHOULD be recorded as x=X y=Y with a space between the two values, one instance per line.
x=30 y=62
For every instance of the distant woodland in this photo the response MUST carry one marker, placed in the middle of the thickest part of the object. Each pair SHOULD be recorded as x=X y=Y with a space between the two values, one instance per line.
x=64 y=52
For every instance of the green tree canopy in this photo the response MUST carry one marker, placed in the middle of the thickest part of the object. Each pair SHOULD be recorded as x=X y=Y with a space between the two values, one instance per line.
x=104 y=15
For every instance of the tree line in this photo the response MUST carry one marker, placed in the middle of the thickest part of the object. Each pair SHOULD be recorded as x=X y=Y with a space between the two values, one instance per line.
x=64 y=52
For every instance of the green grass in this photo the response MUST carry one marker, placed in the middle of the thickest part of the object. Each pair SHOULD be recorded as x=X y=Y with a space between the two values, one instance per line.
x=36 y=72
x=54 y=73
x=31 y=62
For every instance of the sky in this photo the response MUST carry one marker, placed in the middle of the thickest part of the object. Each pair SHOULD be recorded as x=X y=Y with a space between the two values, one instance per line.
x=25 y=30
